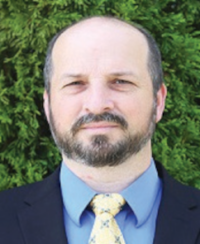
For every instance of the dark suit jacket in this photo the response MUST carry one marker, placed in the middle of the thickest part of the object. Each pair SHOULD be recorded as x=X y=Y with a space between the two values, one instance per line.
x=33 y=214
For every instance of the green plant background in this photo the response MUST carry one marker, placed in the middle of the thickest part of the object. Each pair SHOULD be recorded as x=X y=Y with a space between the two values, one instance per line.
x=27 y=152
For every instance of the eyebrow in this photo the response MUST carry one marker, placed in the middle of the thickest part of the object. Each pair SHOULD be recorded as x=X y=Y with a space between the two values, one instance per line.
x=123 y=73
x=71 y=75
x=118 y=73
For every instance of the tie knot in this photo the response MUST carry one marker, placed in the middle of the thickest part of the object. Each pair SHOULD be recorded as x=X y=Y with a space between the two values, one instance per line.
x=107 y=203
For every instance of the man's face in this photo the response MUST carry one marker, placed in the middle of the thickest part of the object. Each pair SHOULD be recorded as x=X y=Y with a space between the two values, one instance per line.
x=101 y=108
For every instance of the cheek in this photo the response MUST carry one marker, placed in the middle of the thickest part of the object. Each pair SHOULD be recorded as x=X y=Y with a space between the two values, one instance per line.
x=65 y=111
x=136 y=111
x=128 y=106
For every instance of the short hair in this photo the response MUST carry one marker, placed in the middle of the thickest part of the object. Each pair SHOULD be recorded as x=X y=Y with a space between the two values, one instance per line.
x=154 y=57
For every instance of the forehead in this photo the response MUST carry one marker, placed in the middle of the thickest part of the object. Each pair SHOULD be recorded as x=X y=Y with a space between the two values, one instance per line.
x=100 y=38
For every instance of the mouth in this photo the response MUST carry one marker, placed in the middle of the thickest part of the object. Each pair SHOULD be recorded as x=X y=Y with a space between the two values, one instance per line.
x=99 y=126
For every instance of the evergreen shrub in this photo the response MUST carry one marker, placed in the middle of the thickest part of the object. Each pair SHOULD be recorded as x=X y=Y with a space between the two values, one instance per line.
x=27 y=151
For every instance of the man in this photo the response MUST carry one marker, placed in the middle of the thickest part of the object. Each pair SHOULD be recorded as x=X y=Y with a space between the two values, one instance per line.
x=104 y=93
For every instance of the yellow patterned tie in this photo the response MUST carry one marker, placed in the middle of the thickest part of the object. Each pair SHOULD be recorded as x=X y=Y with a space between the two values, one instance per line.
x=105 y=229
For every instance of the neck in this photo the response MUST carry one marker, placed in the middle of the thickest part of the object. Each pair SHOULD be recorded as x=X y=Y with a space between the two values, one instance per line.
x=112 y=179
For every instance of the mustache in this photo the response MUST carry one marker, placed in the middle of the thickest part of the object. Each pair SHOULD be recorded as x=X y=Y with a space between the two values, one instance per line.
x=109 y=117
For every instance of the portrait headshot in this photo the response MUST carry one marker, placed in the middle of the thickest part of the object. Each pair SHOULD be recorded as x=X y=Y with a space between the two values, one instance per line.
x=104 y=96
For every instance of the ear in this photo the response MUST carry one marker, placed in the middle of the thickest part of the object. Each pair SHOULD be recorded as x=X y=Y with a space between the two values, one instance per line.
x=161 y=96
x=46 y=104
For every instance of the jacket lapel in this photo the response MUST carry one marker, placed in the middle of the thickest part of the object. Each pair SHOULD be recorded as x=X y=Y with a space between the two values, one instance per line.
x=178 y=218
x=41 y=220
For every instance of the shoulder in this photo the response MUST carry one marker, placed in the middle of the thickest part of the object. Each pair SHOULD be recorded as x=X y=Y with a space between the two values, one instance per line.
x=13 y=199
x=178 y=214
x=30 y=200
x=176 y=190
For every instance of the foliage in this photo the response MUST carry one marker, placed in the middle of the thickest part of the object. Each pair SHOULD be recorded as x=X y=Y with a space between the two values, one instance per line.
x=27 y=152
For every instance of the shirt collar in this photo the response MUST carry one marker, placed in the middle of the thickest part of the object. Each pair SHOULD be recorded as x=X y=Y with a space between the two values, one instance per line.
x=77 y=191
x=142 y=194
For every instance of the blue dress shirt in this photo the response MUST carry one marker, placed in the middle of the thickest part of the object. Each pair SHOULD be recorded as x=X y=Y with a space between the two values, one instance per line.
x=137 y=220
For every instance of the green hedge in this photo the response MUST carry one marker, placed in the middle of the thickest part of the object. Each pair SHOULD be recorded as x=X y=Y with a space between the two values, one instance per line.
x=27 y=152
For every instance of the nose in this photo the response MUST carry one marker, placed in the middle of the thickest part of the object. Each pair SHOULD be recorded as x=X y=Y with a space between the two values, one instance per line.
x=98 y=99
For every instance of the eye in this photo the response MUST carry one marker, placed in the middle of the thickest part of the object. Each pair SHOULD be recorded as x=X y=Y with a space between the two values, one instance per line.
x=121 y=82
x=122 y=85
x=75 y=83
x=74 y=87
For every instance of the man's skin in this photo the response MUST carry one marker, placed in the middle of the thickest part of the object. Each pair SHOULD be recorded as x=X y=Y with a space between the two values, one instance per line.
x=100 y=65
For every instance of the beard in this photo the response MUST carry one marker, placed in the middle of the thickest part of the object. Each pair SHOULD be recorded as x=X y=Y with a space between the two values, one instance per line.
x=101 y=151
